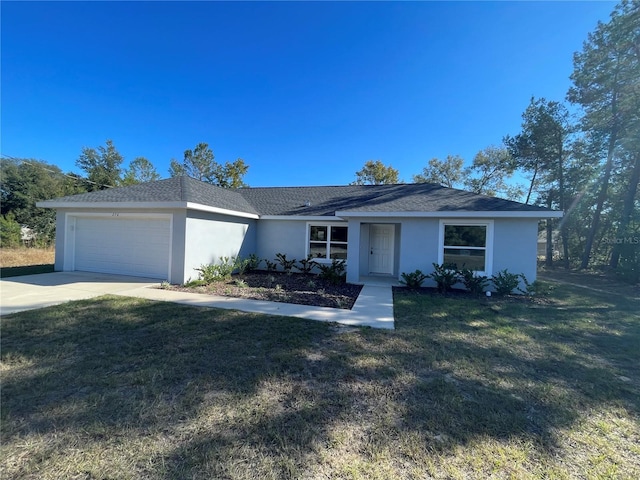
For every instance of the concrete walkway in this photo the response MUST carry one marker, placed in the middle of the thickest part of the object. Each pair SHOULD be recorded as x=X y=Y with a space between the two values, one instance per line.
x=373 y=308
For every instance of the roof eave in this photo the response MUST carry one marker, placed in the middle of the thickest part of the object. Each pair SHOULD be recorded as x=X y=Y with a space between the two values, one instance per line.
x=146 y=205
x=455 y=214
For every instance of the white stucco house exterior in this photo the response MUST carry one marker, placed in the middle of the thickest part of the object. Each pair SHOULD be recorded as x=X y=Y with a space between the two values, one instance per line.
x=168 y=228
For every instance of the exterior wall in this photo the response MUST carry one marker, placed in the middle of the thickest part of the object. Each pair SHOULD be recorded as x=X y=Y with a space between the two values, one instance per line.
x=417 y=246
x=515 y=243
x=209 y=236
x=281 y=236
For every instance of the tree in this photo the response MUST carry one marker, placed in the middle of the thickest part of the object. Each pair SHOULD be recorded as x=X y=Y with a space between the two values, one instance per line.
x=102 y=166
x=447 y=172
x=489 y=171
x=376 y=173
x=541 y=150
x=26 y=181
x=605 y=85
x=10 y=231
x=140 y=170
x=230 y=175
x=200 y=164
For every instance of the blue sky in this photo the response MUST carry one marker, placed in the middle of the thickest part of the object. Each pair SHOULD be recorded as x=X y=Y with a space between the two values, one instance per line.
x=305 y=93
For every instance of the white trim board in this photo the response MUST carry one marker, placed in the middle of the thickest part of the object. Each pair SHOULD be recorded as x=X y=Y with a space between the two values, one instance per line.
x=145 y=205
x=452 y=214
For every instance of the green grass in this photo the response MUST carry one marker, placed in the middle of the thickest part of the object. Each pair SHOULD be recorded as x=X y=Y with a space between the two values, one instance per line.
x=25 y=270
x=125 y=388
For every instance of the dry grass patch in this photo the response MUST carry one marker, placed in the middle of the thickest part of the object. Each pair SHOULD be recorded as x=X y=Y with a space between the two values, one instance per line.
x=464 y=388
x=19 y=257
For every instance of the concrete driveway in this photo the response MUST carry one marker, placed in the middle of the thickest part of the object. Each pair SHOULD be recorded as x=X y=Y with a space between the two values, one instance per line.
x=36 y=291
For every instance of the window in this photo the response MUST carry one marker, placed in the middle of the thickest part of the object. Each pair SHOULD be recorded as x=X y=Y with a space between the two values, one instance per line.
x=466 y=245
x=328 y=242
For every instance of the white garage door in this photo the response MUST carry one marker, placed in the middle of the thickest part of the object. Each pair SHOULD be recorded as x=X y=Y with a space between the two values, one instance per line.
x=127 y=246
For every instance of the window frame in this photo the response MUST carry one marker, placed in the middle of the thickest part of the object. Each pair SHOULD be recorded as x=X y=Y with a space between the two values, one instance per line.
x=328 y=242
x=488 y=248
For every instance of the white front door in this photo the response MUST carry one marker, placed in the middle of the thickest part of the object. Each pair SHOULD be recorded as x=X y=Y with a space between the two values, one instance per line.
x=381 y=239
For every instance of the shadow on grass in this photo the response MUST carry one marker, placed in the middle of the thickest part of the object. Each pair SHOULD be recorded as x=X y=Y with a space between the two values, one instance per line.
x=234 y=393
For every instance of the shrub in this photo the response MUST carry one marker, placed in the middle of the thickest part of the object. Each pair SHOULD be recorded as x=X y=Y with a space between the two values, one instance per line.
x=10 y=232
x=444 y=276
x=505 y=282
x=253 y=263
x=287 y=265
x=535 y=289
x=475 y=284
x=413 y=280
x=307 y=264
x=217 y=271
x=333 y=273
x=240 y=265
x=271 y=266
x=194 y=283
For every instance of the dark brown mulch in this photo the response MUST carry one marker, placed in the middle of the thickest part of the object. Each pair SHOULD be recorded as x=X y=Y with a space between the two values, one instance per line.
x=299 y=288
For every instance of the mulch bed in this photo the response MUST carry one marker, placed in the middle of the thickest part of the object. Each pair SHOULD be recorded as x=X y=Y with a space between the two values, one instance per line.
x=299 y=288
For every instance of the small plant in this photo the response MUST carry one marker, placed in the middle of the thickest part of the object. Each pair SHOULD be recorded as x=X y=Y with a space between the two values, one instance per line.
x=271 y=266
x=241 y=265
x=505 y=282
x=217 y=271
x=535 y=289
x=311 y=284
x=165 y=285
x=333 y=273
x=475 y=284
x=253 y=262
x=278 y=288
x=445 y=277
x=307 y=264
x=194 y=283
x=413 y=280
x=241 y=283
x=286 y=264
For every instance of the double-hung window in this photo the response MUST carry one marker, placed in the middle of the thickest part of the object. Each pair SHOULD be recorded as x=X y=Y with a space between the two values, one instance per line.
x=328 y=242
x=466 y=245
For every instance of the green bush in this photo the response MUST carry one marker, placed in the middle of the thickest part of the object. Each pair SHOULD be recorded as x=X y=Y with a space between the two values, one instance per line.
x=505 y=282
x=445 y=277
x=286 y=265
x=10 y=235
x=333 y=273
x=253 y=263
x=475 y=284
x=217 y=271
x=413 y=280
x=271 y=266
x=307 y=264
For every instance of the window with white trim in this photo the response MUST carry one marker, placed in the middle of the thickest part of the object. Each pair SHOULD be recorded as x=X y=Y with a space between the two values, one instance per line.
x=466 y=245
x=328 y=242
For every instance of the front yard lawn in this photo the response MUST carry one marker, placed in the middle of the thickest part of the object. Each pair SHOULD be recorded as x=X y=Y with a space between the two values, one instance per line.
x=463 y=388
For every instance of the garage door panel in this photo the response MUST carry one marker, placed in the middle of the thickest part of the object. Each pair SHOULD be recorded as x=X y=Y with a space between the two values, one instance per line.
x=127 y=246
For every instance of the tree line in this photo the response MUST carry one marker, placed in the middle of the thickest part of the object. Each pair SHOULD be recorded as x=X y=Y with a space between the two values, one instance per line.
x=586 y=164
x=23 y=182
x=580 y=155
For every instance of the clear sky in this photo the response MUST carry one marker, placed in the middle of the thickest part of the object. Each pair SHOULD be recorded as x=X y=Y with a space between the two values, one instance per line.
x=304 y=92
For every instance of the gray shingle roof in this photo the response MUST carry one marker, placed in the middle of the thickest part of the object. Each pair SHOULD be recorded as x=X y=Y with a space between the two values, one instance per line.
x=316 y=201
x=175 y=189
